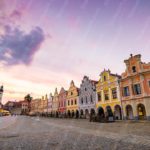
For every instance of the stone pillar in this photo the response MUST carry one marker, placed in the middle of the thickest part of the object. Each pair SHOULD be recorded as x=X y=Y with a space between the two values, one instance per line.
x=135 y=114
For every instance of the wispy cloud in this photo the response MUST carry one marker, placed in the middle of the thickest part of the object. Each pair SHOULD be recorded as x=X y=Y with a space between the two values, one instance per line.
x=18 y=47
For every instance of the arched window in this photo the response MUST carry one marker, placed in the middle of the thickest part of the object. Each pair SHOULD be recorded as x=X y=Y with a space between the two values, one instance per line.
x=71 y=102
x=133 y=69
x=104 y=78
x=86 y=100
x=82 y=100
x=75 y=101
x=91 y=99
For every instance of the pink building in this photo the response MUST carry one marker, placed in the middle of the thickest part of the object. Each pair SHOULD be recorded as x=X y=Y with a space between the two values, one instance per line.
x=62 y=101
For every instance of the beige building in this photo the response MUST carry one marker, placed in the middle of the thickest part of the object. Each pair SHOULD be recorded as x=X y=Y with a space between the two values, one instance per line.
x=35 y=105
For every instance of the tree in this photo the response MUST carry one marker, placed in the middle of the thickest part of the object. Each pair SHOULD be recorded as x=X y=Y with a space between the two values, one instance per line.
x=28 y=98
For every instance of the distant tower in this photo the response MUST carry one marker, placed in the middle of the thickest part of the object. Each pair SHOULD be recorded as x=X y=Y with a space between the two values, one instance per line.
x=1 y=95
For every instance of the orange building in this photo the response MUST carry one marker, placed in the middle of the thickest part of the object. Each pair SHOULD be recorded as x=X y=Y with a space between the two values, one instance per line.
x=135 y=89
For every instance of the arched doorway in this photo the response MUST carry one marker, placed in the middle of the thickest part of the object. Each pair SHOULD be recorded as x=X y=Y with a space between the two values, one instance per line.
x=117 y=112
x=129 y=112
x=72 y=114
x=69 y=114
x=81 y=113
x=77 y=114
x=109 y=112
x=86 y=113
x=57 y=114
x=101 y=112
x=141 y=111
x=92 y=112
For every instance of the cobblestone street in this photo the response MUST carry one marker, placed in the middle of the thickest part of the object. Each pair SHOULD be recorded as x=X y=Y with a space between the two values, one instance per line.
x=26 y=133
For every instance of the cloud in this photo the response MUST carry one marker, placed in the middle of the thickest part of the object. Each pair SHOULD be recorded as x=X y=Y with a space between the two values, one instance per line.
x=18 y=47
x=16 y=14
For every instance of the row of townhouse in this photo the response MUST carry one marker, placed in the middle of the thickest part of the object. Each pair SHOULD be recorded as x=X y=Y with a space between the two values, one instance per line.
x=123 y=97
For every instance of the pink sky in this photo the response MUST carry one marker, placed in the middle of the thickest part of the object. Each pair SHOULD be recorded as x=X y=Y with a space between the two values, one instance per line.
x=46 y=44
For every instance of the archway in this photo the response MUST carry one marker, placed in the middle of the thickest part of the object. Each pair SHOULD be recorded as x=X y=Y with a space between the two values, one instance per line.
x=117 y=112
x=109 y=111
x=141 y=111
x=129 y=112
x=69 y=114
x=101 y=112
x=86 y=113
x=92 y=112
x=57 y=114
x=72 y=114
x=81 y=113
x=77 y=114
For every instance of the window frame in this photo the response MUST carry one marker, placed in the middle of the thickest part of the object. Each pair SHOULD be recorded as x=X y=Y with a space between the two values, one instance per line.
x=137 y=89
x=126 y=92
x=112 y=90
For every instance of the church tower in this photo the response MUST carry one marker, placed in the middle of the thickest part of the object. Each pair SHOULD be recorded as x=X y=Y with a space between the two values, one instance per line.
x=1 y=95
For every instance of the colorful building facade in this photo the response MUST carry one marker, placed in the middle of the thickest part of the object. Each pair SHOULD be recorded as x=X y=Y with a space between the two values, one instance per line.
x=35 y=106
x=108 y=95
x=135 y=89
x=72 y=101
x=87 y=97
x=62 y=101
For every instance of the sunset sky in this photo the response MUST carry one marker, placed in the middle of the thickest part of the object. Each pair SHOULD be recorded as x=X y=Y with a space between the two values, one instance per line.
x=45 y=44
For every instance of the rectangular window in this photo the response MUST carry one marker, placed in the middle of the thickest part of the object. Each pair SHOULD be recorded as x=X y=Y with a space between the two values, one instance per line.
x=137 y=89
x=68 y=102
x=114 y=93
x=149 y=83
x=99 y=96
x=106 y=94
x=126 y=91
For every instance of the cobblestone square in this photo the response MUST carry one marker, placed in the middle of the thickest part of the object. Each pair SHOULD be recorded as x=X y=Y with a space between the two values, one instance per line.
x=33 y=133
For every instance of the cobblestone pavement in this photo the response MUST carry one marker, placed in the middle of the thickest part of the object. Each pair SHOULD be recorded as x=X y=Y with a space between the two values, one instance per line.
x=32 y=133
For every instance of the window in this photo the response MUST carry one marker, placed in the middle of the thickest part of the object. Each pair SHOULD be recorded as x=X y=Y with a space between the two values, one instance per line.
x=71 y=93
x=86 y=100
x=99 y=96
x=133 y=69
x=71 y=102
x=149 y=83
x=104 y=78
x=126 y=91
x=85 y=89
x=91 y=99
x=114 y=93
x=81 y=100
x=106 y=94
x=137 y=89
x=75 y=101
x=68 y=102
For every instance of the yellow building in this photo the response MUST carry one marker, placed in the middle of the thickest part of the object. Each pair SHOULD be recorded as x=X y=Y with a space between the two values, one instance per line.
x=108 y=95
x=72 y=100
